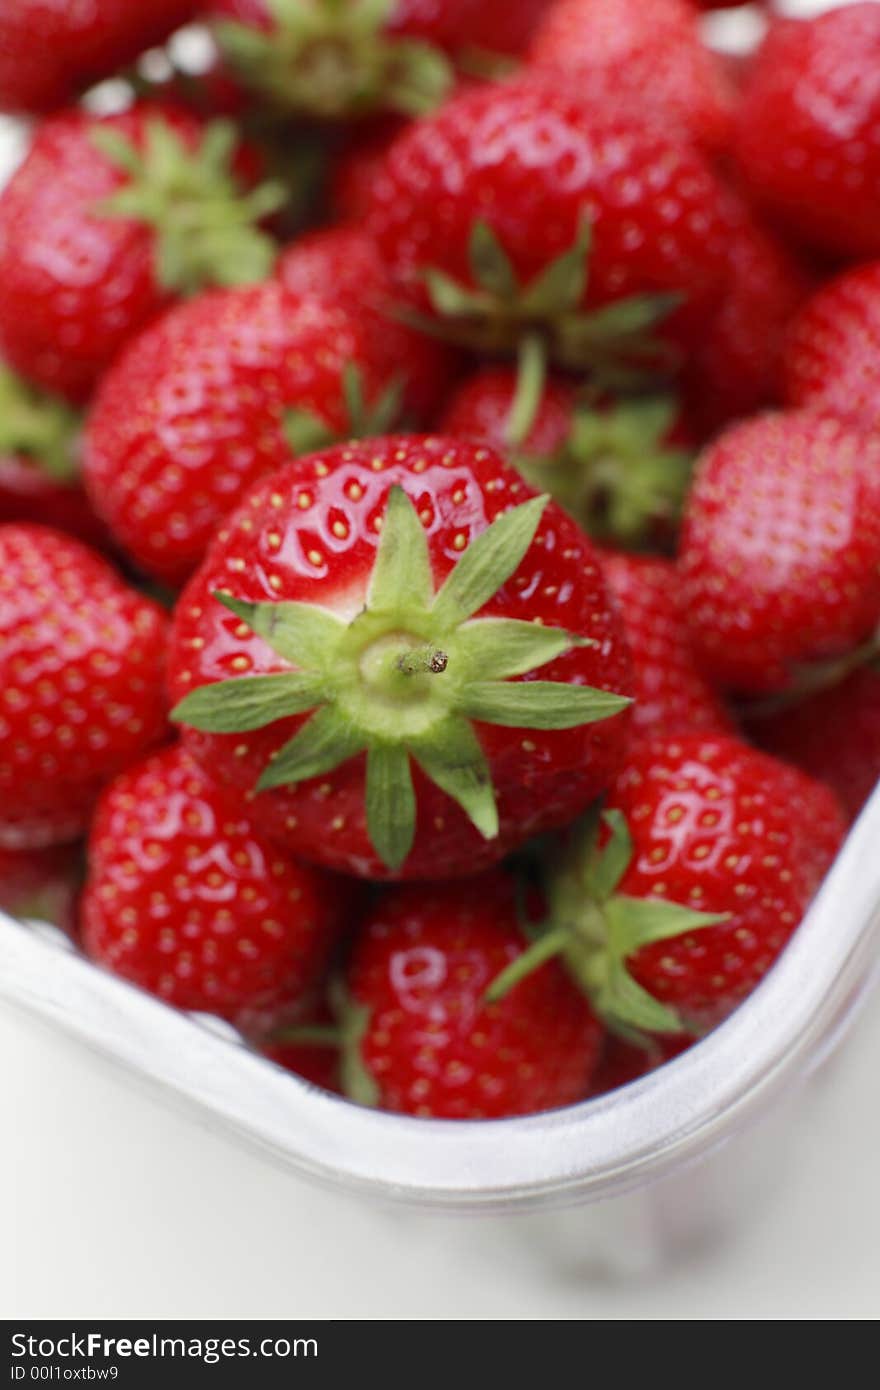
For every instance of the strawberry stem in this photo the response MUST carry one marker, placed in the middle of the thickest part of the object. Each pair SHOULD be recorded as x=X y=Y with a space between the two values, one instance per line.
x=531 y=379
x=553 y=943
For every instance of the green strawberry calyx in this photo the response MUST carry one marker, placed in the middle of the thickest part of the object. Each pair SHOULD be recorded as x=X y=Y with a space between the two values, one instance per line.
x=595 y=929
x=306 y=431
x=39 y=427
x=334 y=58
x=493 y=315
x=406 y=679
x=207 y=225
x=615 y=474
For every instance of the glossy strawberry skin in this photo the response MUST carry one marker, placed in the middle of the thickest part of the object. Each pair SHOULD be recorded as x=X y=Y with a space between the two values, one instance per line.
x=421 y=966
x=344 y=263
x=780 y=548
x=186 y=900
x=833 y=736
x=75 y=285
x=672 y=695
x=720 y=827
x=532 y=160
x=480 y=409
x=806 y=141
x=191 y=415
x=832 y=352
x=647 y=51
x=51 y=49
x=81 y=671
x=309 y=533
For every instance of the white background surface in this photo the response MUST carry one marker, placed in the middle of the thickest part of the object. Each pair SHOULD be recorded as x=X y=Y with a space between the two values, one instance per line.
x=113 y=1206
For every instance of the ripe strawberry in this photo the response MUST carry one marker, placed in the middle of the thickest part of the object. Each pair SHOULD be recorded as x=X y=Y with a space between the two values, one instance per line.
x=344 y=263
x=215 y=395
x=738 y=368
x=624 y=1061
x=708 y=856
x=833 y=735
x=316 y=1056
x=81 y=674
x=356 y=164
x=50 y=50
x=41 y=884
x=299 y=607
x=620 y=468
x=106 y=220
x=672 y=696
x=832 y=353
x=421 y=1038
x=185 y=899
x=808 y=120
x=490 y=213
x=39 y=447
x=780 y=548
x=648 y=52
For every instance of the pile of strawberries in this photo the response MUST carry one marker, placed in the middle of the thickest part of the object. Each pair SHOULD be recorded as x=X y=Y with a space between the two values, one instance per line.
x=440 y=501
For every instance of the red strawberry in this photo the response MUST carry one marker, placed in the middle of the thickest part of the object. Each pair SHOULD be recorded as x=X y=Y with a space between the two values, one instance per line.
x=738 y=368
x=832 y=353
x=355 y=166
x=344 y=263
x=213 y=397
x=39 y=447
x=41 y=884
x=620 y=468
x=421 y=1038
x=490 y=211
x=105 y=221
x=709 y=855
x=647 y=52
x=672 y=696
x=780 y=549
x=185 y=899
x=81 y=674
x=316 y=1056
x=808 y=124
x=51 y=49
x=833 y=735
x=623 y=1061
x=400 y=646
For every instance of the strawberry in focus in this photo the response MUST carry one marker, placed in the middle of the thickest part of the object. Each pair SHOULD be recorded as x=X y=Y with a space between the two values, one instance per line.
x=671 y=908
x=343 y=659
x=780 y=548
x=107 y=220
x=421 y=1039
x=185 y=899
x=82 y=660
x=225 y=389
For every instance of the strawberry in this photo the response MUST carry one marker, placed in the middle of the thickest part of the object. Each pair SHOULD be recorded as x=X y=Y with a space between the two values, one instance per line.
x=806 y=141
x=672 y=908
x=41 y=884
x=316 y=1055
x=672 y=696
x=834 y=735
x=39 y=447
x=344 y=263
x=355 y=166
x=217 y=394
x=403 y=648
x=519 y=209
x=420 y=1038
x=51 y=51
x=738 y=368
x=185 y=899
x=624 y=1061
x=832 y=353
x=620 y=468
x=81 y=676
x=780 y=548
x=648 y=52
x=106 y=220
